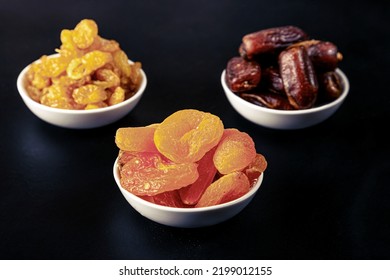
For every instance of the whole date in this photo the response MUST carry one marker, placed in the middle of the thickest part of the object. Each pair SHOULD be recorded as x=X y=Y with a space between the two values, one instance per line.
x=282 y=68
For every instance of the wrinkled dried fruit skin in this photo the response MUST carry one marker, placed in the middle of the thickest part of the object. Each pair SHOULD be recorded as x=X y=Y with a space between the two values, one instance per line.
x=85 y=33
x=330 y=85
x=270 y=40
x=272 y=80
x=225 y=189
x=89 y=94
x=234 y=152
x=136 y=139
x=55 y=96
x=191 y=194
x=117 y=96
x=187 y=135
x=150 y=174
x=268 y=100
x=242 y=75
x=84 y=58
x=324 y=55
x=299 y=77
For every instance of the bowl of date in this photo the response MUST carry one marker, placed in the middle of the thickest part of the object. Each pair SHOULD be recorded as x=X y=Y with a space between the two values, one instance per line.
x=291 y=82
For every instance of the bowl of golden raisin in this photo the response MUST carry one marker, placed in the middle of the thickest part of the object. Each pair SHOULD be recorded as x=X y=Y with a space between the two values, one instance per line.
x=89 y=82
x=283 y=79
x=187 y=171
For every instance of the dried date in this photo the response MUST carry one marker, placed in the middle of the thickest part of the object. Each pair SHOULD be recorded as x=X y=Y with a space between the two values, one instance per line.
x=272 y=80
x=299 y=78
x=330 y=85
x=242 y=75
x=270 y=40
x=268 y=100
x=324 y=55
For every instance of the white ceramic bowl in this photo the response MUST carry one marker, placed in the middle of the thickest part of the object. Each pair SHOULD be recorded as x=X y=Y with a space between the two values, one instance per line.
x=285 y=119
x=187 y=217
x=79 y=119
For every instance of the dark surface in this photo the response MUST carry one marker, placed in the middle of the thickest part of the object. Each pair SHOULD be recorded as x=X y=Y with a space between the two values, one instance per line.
x=326 y=193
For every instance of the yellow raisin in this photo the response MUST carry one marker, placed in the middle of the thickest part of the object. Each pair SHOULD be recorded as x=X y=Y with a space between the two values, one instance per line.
x=55 y=96
x=85 y=33
x=117 y=96
x=89 y=94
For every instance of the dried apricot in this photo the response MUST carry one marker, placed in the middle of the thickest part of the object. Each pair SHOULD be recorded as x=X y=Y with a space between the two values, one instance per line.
x=150 y=173
x=191 y=194
x=187 y=135
x=235 y=151
x=255 y=168
x=188 y=160
x=225 y=189
x=170 y=199
x=136 y=139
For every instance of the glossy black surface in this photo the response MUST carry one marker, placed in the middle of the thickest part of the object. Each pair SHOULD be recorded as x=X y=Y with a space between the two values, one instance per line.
x=325 y=195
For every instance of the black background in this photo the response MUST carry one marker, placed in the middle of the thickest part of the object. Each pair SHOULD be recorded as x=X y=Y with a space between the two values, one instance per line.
x=325 y=194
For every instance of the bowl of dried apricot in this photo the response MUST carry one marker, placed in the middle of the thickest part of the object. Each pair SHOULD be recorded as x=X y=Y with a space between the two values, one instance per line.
x=283 y=79
x=187 y=171
x=90 y=81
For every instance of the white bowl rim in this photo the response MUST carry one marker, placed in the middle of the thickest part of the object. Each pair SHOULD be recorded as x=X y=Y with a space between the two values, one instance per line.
x=146 y=203
x=335 y=102
x=24 y=94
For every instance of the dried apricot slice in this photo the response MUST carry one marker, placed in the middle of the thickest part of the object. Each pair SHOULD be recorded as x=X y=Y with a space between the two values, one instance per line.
x=225 y=189
x=255 y=168
x=191 y=194
x=235 y=151
x=170 y=199
x=136 y=139
x=150 y=173
x=187 y=135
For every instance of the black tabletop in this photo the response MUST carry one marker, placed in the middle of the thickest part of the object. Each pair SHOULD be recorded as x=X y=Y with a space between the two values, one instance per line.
x=325 y=193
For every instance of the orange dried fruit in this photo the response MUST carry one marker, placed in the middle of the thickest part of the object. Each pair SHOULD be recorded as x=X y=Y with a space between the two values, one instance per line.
x=170 y=199
x=255 y=168
x=235 y=151
x=225 y=189
x=191 y=194
x=150 y=173
x=136 y=139
x=187 y=135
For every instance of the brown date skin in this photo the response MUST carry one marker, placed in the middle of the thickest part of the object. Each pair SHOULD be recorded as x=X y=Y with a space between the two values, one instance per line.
x=242 y=75
x=330 y=85
x=324 y=55
x=299 y=77
x=270 y=40
x=272 y=80
x=268 y=100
